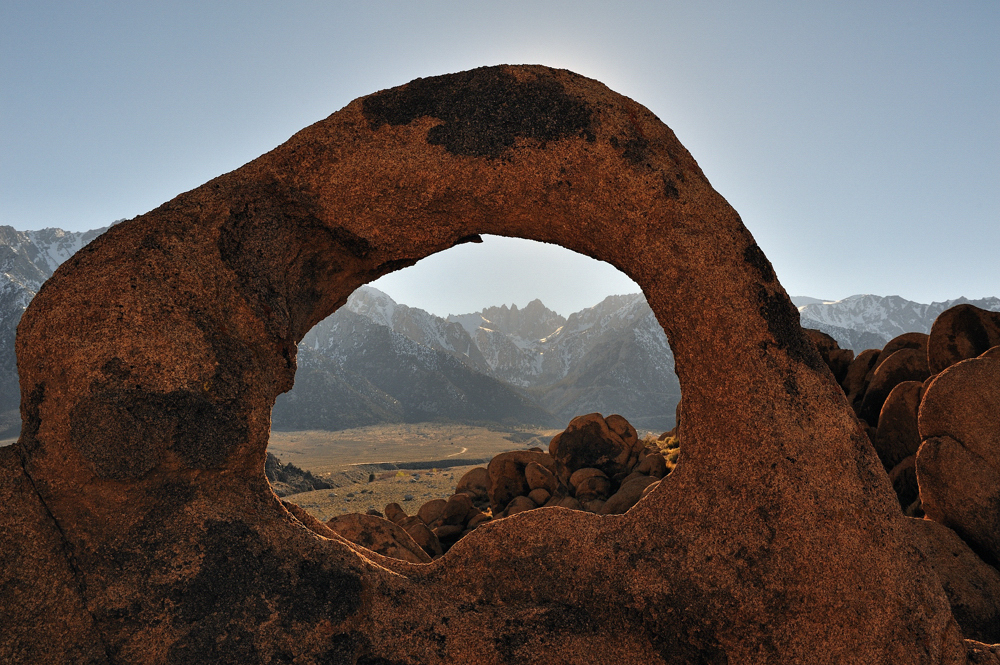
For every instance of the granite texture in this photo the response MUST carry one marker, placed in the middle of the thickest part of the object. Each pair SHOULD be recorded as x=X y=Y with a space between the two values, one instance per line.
x=150 y=361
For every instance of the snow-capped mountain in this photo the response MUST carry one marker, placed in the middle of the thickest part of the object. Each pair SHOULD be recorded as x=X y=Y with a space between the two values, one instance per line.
x=376 y=360
x=612 y=357
x=27 y=259
x=354 y=370
x=868 y=321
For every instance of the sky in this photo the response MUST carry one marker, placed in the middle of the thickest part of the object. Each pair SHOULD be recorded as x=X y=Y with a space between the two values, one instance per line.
x=859 y=141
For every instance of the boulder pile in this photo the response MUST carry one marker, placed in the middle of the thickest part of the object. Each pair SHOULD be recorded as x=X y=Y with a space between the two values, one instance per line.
x=887 y=388
x=930 y=405
x=596 y=464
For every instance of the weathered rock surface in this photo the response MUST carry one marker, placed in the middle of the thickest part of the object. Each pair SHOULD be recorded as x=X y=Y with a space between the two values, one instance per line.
x=903 y=365
x=958 y=464
x=588 y=442
x=837 y=359
x=962 y=491
x=973 y=587
x=910 y=340
x=379 y=535
x=898 y=436
x=858 y=374
x=150 y=360
x=964 y=331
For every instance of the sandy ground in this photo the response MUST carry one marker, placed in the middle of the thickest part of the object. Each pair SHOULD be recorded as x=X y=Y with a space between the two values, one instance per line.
x=343 y=458
x=410 y=489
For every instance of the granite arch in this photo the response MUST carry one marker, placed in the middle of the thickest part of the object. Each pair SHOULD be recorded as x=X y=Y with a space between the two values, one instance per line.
x=150 y=361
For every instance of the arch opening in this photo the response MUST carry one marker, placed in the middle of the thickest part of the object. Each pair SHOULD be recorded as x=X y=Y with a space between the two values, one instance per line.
x=394 y=404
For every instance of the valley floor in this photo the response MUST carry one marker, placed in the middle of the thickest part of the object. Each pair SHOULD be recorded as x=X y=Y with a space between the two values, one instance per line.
x=348 y=458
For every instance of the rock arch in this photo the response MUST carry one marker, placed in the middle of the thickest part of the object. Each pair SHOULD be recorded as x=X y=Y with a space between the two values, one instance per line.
x=150 y=361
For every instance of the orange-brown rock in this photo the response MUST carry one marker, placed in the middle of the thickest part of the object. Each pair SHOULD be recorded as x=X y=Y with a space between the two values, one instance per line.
x=910 y=340
x=972 y=586
x=394 y=512
x=903 y=477
x=653 y=465
x=540 y=477
x=150 y=361
x=432 y=512
x=475 y=483
x=627 y=495
x=963 y=331
x=858 y=373
x=903 y=365
x=422 y=535
x=836 y=358
x=964 y=403
x=588 y=442
x=379 y=535
x=958 y=464
x=897 y=436
x=507 y=475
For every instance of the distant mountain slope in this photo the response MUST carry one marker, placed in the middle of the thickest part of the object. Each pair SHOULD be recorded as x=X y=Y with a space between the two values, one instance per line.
x=612 y=357
x=27 y=259
x=377 y=361
x=384 y=376
x=868 y=321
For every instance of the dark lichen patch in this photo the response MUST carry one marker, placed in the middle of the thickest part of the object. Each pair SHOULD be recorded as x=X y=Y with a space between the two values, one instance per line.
x=484 y=111
x=31 y=419
x=123 y=433
x=241 y=583
x=970 y=323
x=754 y=255
x=277 y=245
x=670 y=187
x=783 y=323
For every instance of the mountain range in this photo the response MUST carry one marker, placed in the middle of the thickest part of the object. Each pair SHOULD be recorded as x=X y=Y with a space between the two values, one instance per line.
x=377 y=361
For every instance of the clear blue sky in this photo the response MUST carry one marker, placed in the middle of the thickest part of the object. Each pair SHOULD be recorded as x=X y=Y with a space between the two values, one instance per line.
x=860 y=141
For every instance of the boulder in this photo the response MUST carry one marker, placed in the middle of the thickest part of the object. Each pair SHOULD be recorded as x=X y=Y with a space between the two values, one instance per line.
x=379 y=535
x=507 y=479
x=593 y=487
x=476 y=483
x=972 y=586
x=540 y=496
x=963 y=331
x=838 y=360
x=855 y=381
x=961 y=490
x=910 y=340
x=903 y=365
x=588 y=442
x=992 y=352
x=897 y=436
x=903 y=477
x=653 y=465
x=519 y=504
x=581 y=475
x=457 y=507
x=623 y=428
x=432 y=512
x=540 y=477
x=422 y=535
x=570 y=502
x=963 y=402
x=627 y=495
x=394 y=513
